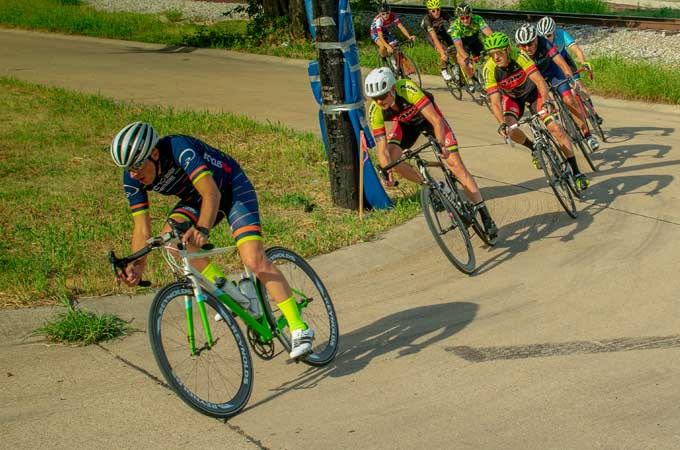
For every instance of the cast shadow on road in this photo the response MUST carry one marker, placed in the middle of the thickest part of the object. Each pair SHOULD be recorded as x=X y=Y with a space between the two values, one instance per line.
x=516 y=237
x=395 y=336
x=623 y=134
x=616 y=157
x=167 y=49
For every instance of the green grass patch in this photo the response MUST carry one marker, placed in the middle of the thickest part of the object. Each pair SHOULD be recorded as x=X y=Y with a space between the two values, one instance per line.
x=78 y=327
x=567 y=6
x=68 y=207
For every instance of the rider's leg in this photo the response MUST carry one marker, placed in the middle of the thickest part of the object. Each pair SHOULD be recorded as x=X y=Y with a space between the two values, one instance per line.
x=403 y=169
x=401 y=136
x=467 y=68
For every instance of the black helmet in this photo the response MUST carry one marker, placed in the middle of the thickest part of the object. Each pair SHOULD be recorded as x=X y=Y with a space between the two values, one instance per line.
x=383 y=7
x=463 y=9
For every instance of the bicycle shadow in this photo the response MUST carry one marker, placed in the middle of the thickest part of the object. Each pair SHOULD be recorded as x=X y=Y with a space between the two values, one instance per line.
x=615 y=157
x=400 y=334
x=606 y=191
x=516 y=237
x=623 y=134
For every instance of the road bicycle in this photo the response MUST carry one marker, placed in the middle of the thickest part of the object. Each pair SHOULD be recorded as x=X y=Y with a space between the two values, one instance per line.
x=570 y=126
x=550 y=158
x=195 y=338
x=455 y=84
x=402 y=66
x=475 y=86
x=447 y=210
x=588 y=110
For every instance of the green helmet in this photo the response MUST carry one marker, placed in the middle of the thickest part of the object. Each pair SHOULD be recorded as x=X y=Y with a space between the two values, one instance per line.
x=433 y=4
x=496 y=40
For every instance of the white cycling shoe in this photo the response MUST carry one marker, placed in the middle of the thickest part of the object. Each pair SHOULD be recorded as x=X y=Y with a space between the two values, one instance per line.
x=302 y=343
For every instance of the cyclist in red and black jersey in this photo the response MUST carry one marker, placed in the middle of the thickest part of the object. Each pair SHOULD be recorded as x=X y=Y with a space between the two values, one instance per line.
x=512 y=81
x=211 y=186
x=413 y=111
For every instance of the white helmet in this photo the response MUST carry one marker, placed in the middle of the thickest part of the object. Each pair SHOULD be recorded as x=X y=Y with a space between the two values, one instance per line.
x=133 y=144
x=525 y=34
x=546 y=26
x=378 y=82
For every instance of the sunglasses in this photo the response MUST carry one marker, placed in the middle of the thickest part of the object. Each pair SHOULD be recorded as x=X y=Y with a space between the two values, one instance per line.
x=492 y=53
x=435 y=10
x=466 y=18
x=381 y=97
x=549 y=36
x=136 y=166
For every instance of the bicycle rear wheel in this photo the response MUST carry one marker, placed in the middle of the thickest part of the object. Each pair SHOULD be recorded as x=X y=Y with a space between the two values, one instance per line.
x=447 y=228
x=410 y=70
x=454 y=84
x=588 y=107
x=556 y=177
x=575 y=133
x=314 y=302
x=217 y=380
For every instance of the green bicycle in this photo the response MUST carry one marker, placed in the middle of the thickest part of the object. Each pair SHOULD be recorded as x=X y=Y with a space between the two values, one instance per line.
x=196 y=341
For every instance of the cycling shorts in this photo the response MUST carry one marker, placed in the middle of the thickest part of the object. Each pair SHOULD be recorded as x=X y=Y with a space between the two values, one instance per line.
x=473 y=46
x=406 y=134
x=555 y=75
x=515 y=106
x=240 y=207
x=387 y=36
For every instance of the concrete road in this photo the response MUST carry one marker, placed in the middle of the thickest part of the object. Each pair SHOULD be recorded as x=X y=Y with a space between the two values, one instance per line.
x=567 y=337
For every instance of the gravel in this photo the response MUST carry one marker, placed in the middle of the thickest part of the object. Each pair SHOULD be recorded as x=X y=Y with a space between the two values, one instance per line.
x=652 y=46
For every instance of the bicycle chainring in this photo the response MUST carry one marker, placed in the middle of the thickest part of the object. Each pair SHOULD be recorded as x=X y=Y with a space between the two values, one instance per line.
x=264 y=350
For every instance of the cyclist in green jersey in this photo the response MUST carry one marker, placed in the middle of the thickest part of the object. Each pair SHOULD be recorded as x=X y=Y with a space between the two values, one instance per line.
x=412 y=112
x=465 y=32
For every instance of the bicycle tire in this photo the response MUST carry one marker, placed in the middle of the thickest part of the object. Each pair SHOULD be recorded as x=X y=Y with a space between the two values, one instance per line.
x=592 y=115
x=319 y=316
x=572 y=130
x=469 y=211
x=554 y=174
x=404 y=69
x=218 y=380
x=454 y=229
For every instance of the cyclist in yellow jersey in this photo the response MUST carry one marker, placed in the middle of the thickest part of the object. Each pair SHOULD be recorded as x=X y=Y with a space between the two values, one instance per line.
x=512 y=81
x=412 y=112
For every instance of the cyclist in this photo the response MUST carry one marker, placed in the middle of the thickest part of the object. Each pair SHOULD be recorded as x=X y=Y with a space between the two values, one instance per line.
x=413 y=111
x=436 y=24
x=380 y=31
x=211 y=186
x=547 y=28
x=512 y=81
x=554 y=69
x=465 y=32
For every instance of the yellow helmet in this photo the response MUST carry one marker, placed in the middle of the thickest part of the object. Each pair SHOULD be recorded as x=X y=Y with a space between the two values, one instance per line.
x=433 y=4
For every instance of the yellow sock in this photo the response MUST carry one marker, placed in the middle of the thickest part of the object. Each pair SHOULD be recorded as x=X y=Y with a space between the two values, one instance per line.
x=212 y=272
x=290 y=312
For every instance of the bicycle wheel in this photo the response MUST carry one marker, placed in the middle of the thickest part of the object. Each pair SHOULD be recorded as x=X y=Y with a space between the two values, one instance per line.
x=574 y=132
x=410 y=70
x=316 y=307
x=447 y=228
x=556 y=177
x=217 y=380
x=591 y=115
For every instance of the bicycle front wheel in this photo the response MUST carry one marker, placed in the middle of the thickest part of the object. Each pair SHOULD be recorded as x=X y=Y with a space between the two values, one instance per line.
x=216 y=379
x=556 y=177
x=575 y=133
x=314 y=303
x=592 y=115
x=448 y=230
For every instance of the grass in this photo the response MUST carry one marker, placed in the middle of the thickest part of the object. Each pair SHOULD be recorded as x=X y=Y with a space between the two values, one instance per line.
x=567 y=6
x=79 y=327
x=68 y=207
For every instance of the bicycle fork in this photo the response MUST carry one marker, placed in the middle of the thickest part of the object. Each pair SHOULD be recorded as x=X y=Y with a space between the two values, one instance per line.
x=188 y=306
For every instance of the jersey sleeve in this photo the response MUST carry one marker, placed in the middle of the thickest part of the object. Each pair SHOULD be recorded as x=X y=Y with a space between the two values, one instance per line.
x=190 y=160
x=525 y=62
x=480 y=22
x=490 y=77
x=376 y=121
x=136 y=195
x=426 y=24
x=566 y=38
x=413 y=95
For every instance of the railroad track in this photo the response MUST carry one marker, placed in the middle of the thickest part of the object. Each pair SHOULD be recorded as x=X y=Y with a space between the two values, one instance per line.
x=598 y=20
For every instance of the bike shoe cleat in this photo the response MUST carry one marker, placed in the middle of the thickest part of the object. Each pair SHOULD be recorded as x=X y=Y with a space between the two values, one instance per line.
x=592 y=143
x=582 y=182
x=301 y=343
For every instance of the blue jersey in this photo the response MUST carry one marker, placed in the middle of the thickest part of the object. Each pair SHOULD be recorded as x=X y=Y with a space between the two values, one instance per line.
x=182 y=162
x=562 y=40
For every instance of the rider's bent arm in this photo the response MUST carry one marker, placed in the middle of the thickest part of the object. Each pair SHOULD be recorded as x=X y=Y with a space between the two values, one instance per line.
x=210 y=196
x=496 y=107
x=562 y=64
x=459 y=47
x=438 y=45
x=141 y=231
x=405 y=31
x=579 y=53
x=437 y=122
x=538 y=80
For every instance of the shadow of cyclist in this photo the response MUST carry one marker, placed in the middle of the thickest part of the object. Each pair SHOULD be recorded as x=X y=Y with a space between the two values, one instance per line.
x=615 y=157
x=623 y=134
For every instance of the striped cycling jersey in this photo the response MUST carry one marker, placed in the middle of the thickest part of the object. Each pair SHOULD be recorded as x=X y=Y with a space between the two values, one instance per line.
x=410 y=101
x=383 y=25
x=183 y=160
x=460 y=31
x=512 y=80
x=544 y=55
